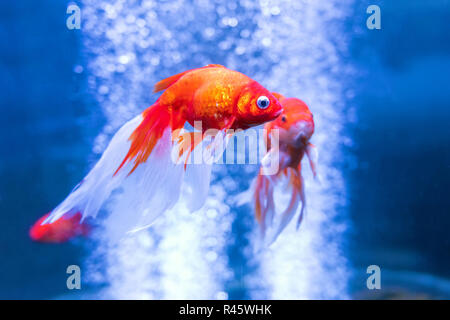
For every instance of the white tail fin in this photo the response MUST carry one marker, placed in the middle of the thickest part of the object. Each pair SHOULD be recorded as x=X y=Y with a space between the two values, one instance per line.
x=272 y=218
x=155 y=186
x=297 y=197
x=152 y=188
x=197 y=180
x=198 y=175
x=95 y=188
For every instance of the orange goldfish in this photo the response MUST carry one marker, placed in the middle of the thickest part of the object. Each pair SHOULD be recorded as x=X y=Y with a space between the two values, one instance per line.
x=62 y=230
x=295 y=128
x=139 y=159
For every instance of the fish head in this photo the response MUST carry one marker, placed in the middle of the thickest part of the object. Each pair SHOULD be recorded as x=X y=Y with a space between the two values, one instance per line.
x=256 y=105
x=295 y=124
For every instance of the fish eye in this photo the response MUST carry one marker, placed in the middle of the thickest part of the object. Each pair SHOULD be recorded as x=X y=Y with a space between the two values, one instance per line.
x=263 y=102
x=283 y=118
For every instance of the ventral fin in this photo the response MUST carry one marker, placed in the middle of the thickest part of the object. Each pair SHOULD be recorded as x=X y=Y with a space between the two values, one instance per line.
x=313 y=156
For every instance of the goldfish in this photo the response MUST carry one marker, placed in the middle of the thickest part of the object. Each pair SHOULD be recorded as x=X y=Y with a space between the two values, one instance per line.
x=139 y=159
x=295 y=128
x=59 y=231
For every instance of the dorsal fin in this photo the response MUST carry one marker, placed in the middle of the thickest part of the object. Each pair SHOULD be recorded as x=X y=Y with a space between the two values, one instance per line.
x=165 y=83
x=277 y=95
x=214 y=66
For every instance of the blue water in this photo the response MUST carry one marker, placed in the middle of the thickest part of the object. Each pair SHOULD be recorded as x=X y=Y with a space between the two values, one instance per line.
x=398 y=197
x=392 y=142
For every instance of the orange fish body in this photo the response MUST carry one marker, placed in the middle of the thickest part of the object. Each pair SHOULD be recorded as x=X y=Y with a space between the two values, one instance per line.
x=62 y=230
x=295 y=128
x=139 y=159
x=217 y=97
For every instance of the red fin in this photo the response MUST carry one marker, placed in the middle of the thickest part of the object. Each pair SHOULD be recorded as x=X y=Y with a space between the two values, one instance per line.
x=212 y=65
x=165 y=83
x=156 y=119
x=187 y=144
x=311 y=152
x=264 y=204
x=277 y=95
x=298 y=195
x=59 y=231
x=260 y=193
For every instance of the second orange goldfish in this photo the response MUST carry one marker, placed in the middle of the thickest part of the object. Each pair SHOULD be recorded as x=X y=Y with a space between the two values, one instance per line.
x=295 y=128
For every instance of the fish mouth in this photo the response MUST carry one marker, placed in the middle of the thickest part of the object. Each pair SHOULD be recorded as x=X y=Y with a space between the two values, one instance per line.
x=303 y=132
x=276 y=114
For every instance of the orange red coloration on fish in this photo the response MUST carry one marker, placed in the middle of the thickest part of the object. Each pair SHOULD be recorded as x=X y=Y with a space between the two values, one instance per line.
x=218 y=97
x=295 y=128
x=139 y=158
x=62 y=230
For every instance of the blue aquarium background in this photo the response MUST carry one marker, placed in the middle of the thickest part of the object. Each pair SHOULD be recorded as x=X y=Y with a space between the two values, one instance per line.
x=381 y=101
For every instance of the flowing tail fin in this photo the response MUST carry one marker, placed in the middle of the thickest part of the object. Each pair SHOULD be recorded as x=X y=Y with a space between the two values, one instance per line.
x=264 y=205
x=156 y=120
x=139 y=160
x=263 y=200
x=142 y=145
x=62 y=230
x=312 y=154
x=296 y=184
x=89 y=195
